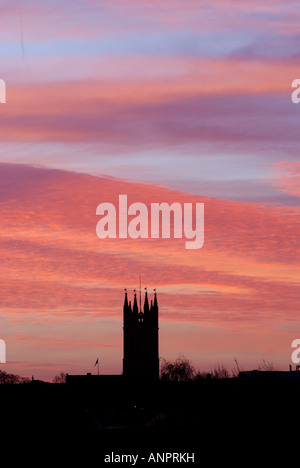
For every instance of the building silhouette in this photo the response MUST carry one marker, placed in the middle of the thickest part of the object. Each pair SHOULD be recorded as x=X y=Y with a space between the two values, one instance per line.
x=140 y=342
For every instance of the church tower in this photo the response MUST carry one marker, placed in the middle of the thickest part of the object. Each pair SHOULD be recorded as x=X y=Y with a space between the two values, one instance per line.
x=140 y=341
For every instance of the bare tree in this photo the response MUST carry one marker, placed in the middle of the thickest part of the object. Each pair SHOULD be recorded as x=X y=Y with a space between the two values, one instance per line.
x=6 y=378
x=179 y=370
x=236 y=370
x=220 y=372
x=60 y=378
x=198 y=375
x=267 y=366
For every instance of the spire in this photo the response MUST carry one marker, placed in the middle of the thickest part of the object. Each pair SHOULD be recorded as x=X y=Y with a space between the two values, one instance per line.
x=135 y=309
x=146 y=303
x=125 y=300
x=152 y=317
x=126 y=309
x=155 y=300
x=154 y=308
x=140 y=293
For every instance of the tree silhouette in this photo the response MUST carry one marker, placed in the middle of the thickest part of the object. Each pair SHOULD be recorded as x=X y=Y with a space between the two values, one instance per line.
x=220 y=372
x=6 y=378
x=60 y=378
x=179 y=370
x=267 y=366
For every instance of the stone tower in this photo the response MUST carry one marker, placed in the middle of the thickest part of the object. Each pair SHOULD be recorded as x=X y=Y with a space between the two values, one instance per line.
x=140 y=342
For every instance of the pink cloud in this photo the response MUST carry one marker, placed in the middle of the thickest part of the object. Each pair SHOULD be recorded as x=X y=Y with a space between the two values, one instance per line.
x=53 y=258
x=80 y=21
x=286 y=177
x=60 y=282
x=133 y=114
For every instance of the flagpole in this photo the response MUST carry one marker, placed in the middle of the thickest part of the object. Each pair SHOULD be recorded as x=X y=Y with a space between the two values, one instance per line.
x=97 y=363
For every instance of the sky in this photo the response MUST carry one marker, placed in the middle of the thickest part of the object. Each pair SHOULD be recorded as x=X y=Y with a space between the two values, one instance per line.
x=162 y=101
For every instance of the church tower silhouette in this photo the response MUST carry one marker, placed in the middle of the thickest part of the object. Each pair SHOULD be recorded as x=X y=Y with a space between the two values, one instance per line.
x=140 y=342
